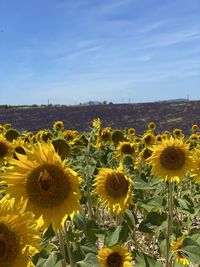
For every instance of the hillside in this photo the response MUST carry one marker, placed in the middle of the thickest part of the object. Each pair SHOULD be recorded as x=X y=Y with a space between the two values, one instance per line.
x=167 y=116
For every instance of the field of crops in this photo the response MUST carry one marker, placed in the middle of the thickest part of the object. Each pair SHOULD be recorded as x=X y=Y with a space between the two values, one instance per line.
x=104 y=197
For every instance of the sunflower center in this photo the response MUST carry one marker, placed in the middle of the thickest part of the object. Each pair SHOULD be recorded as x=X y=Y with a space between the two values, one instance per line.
x=3 y=149
x=9 y=245
x=46 y=182
x=127 y=149
x=114 y=260
x=116 y=185
x=48 y=186
x=147 y=153
x=172 y=158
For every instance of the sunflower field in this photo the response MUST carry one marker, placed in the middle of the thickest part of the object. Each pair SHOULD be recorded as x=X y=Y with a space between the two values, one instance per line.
x=102 y=198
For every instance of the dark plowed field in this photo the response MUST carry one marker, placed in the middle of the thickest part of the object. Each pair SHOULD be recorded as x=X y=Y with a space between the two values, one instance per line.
x=167 y=116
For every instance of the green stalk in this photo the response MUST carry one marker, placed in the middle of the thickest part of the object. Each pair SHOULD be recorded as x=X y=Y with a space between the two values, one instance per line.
x=62 y=247
x=169 y=223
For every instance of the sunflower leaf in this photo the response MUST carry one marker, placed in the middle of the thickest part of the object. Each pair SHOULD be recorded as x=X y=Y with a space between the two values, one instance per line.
x=89 y=261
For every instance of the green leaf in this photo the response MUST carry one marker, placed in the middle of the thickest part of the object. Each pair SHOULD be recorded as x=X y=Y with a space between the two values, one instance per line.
x=54 y=260
x=79 y=221
x=154 y=222
x=89 y=261
x=193 y=253
x=144 y=260
x=130 y=218
x=49 y=233
x=113 y=237
x=152 y=204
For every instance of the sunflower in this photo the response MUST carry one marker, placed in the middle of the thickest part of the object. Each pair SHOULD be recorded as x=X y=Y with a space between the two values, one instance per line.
x=48 y=187
x=117 y=136
x=70 y=135
x=145 y=154
x=178 y=133
x=152 y=126
x=11 y=134
x=5 y=149
x=106 y=134
x=131 y=131
x=116 y=256
x=58 y=126
x=196 y=169
x=18 y=236
x=61 y=147
x=176 y=247
x=195 y=128
x=159 y=138
x=114 y=189
x=148 y=139
x=19 y=146
x=125 y=148
x=171 y=159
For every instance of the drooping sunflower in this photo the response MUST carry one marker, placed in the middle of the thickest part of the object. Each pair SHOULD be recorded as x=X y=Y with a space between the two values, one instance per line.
x=117 y=136
x=171 y=159
x=114 y=189
x=5 y=149
x=61 y=147
x=19 y=236
x=125 y=148
x=176 y=247
x=48 y=187
x=116 y=256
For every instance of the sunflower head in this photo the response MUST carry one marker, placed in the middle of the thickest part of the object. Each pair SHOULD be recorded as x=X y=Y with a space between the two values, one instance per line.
x=114 y=189
x=159 y=138
x=125 y=148
x=148 y=139
x=69 y=135
x=176 y=247
x=178 y=133
x=11 y=135
x=106 y=134
x=46 y=186
x=46 y=135
x=145 y=154
x=58 y=126
x=152 y=126
x=61 y=147
x=19 y=147
x=117 y=136
x=195 y=128
x=131 y=131
x=171 y=159
x=116 y=256
x=5 y=148
x=196 y=169
x=19 y=235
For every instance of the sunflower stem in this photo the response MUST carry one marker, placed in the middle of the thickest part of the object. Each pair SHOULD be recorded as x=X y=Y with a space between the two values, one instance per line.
x=169 y=223
x=71 y=261
x=62 y=247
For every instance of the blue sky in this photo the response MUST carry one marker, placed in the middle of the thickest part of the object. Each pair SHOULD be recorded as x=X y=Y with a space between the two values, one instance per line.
x=72 y=51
